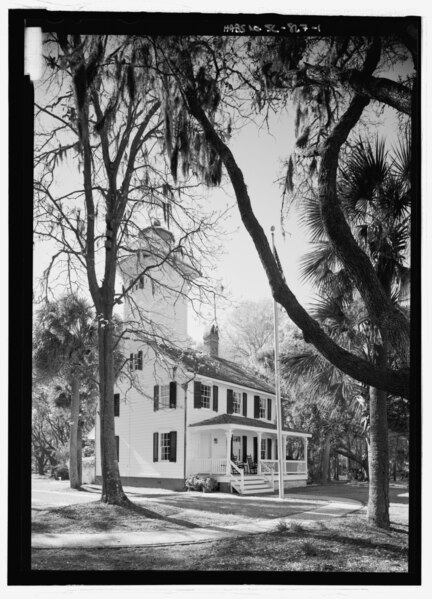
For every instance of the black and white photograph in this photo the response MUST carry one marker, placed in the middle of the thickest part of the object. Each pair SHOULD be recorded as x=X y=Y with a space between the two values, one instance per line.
x=218 y=317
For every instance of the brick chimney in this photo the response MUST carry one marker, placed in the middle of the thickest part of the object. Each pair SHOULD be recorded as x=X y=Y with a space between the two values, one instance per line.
x=211 y=340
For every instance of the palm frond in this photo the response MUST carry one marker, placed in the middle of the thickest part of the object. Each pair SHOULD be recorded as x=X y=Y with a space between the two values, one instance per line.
x=319 y=264
x=310 y=217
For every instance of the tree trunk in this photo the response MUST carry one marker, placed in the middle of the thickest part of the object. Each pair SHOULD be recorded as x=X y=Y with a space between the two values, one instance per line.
x=112 y=490
x=396 y=382
x=79 y=450
x=74 y=477
x=378 y=505
x=325 y=460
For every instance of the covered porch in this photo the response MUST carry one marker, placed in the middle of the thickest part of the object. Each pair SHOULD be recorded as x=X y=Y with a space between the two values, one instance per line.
x=239 y=449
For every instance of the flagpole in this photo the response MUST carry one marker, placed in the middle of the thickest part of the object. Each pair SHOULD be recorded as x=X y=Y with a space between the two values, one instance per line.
x=277 y=385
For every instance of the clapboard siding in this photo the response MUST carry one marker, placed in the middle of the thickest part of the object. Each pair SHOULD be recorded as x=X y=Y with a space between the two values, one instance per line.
x=138 y=421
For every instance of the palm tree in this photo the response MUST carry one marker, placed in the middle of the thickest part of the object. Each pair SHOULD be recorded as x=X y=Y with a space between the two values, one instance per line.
x=64 y=345
x=376 y=195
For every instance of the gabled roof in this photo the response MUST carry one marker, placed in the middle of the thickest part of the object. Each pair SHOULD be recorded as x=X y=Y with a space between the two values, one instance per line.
x=242 y=421
x=217 y=368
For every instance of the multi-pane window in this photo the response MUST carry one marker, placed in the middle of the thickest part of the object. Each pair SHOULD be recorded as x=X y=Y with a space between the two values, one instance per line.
x=116 y=404
x=263 y=449
x=205 y=396
x=164 y=398
x=165 y=446
x=136 y=361
x=236 y=402
x=263 y=408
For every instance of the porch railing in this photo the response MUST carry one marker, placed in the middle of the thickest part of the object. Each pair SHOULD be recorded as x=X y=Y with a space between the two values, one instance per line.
x=209 y=465
x=234 y=477
x=290 y=466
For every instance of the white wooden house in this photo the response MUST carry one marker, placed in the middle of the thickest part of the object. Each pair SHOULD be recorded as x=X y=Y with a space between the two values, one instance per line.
x=192 y=413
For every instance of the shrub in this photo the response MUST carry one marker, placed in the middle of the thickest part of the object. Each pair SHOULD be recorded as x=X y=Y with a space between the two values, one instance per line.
x=210 y=485
x=296 y=527
x=282 y=527
x=197 y=483
x=60 y=472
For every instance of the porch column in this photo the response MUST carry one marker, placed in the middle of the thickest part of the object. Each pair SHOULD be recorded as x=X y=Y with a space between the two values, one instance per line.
x=259 y=454
x=228 y=435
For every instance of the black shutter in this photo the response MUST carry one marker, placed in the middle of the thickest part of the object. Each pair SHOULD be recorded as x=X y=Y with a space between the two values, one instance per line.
x=256 y=406
x=156 y=397
x=230 y=406
x=173 y=446
x=245 y=405
x=155 y=447
x=116 y=404
x=255 y=449
x=173 y=395
x=140 y=360
x=244 y=448
x=117 y=440
x=269 y=449
x=215 y=398
x=131 y=362
x=197 y=395
x=269 y=402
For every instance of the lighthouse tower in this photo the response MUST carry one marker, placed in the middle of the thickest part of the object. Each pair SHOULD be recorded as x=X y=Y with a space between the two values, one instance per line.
x=157 y=276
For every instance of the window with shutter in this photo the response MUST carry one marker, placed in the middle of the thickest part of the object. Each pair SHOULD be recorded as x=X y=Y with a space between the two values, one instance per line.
x=173 y=446
x=156 y=397
x=173 y=394
x=236 y=403
x=197 y=394
x=256 y=406
x=155 y=447
x=131 y=362
x=230 y=406
x=116 y=404
x=269 y=409
x=165 y=447
x=263 y=449
x=245 y=405
x=117 y=441
x=215 y=398
x=164 y=396
x=140 y=361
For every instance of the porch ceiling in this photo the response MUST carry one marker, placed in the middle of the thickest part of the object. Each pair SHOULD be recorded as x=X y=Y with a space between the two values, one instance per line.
x=232 y=422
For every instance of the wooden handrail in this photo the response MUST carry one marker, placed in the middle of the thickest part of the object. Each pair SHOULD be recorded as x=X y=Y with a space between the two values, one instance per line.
x=241 y=472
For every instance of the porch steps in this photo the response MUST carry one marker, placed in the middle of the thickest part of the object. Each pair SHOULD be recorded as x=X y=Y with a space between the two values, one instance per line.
x=252 y=485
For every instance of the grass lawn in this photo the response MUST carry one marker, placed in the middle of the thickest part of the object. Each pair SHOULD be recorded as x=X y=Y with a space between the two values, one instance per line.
x=340 y=545
x=333 y=545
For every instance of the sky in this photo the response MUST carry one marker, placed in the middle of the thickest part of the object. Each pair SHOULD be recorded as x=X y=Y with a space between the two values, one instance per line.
x=259 y=152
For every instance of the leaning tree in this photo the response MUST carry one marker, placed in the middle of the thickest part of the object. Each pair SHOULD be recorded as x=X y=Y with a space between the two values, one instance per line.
x=333 y=81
